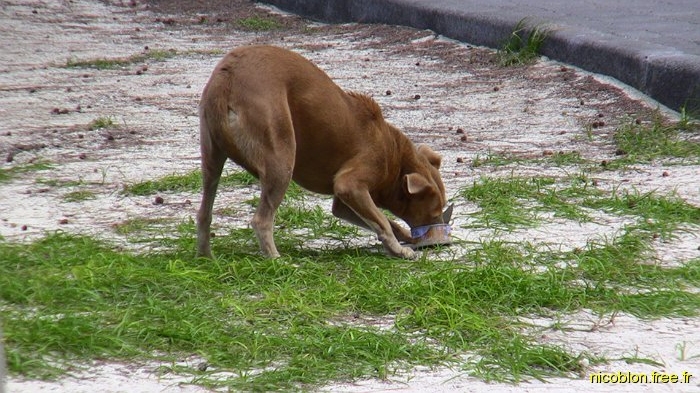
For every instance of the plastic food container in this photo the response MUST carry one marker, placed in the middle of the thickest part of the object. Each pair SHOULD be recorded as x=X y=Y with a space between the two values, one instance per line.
x=431 y=235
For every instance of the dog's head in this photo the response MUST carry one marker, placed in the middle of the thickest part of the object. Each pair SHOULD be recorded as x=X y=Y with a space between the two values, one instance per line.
x=423 y=191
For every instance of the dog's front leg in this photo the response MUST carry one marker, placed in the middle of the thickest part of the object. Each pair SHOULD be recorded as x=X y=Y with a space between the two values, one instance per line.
x=342 y=211
x=356 y=206
x=401 y=233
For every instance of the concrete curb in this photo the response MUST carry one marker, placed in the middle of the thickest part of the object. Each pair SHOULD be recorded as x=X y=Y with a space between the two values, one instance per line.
x=667 y=75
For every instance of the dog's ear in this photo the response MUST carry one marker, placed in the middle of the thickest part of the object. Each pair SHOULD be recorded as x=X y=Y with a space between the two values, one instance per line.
x=416 y=183
x=433 y=158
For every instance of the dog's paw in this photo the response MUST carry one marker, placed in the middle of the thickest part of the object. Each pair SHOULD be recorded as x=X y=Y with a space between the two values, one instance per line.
x=408 y=253
x=395 y=249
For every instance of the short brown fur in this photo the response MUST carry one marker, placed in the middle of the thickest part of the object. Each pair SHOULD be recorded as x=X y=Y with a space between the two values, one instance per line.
x=281 y=118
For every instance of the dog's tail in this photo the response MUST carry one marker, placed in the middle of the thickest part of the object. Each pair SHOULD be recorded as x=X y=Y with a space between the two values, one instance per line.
x=213 y=109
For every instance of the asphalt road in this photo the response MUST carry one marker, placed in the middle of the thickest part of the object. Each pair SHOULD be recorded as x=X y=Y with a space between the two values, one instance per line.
x=650 y=45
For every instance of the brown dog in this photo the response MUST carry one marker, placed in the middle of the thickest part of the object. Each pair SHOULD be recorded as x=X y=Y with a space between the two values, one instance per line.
x=281 y=118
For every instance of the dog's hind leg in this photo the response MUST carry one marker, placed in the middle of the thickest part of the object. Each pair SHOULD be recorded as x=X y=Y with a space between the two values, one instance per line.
x=272 y=189
x=275 y=169
x=213 y=160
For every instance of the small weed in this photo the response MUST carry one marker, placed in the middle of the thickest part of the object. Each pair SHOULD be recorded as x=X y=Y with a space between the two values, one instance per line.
x=189 y=182
x=688 y=121
x=636 y=359
x=140 y=225
x=230 y=211
x=258 y=23
x=567 y=158
x=100 y=64
x=157 y=55
x=78 y=196
x=493 y=160
x=683 y=354
x=101 y=122
x=522 y=47
x=59 y=183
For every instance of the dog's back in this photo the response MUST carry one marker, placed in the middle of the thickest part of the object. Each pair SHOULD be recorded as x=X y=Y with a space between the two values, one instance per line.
x=253 y=87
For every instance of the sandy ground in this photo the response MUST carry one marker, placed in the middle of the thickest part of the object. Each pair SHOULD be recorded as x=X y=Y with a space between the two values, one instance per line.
x=429 y=86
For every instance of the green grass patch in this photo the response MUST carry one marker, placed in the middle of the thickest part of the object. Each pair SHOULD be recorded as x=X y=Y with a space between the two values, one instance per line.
x=150 y=55
x=192 y=182
x=511 y=202
x=100 y=64
x=7 y=174
x=647 y=141
x=108 y=64
x=657 y=215
x=189 y=182
x=558 y=158
x=500 y=201
x=258 y=23
x=296 y=322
